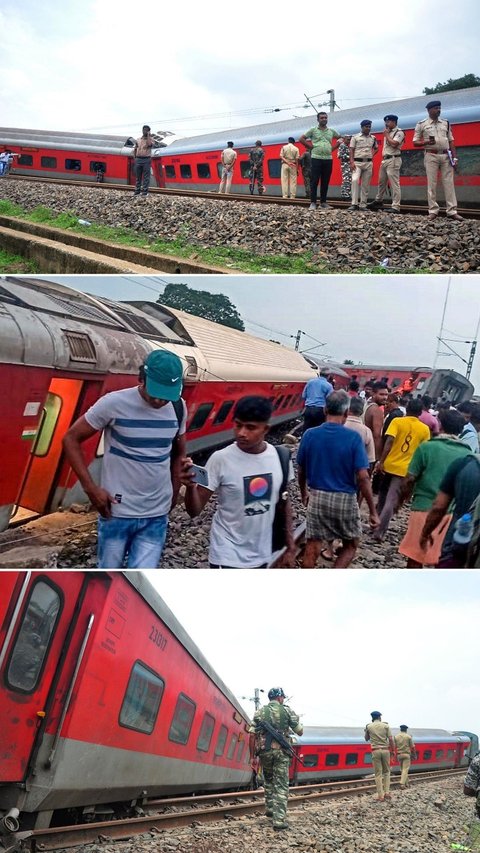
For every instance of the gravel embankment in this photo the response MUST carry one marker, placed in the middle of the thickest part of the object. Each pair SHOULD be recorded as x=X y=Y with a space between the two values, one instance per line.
x=338 y=239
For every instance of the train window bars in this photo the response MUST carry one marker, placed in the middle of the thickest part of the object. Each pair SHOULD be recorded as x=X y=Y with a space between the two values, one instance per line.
x=221 y=741
x=206 y=732
x=182 y=720
x=34 y=636
x=142 y=699
x=231 y=748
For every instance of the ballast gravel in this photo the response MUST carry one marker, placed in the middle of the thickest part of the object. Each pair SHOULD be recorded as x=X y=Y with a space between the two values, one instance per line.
x=337 y=239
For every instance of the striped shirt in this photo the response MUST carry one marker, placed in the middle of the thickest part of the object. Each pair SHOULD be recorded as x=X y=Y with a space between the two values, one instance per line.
x=138 y=444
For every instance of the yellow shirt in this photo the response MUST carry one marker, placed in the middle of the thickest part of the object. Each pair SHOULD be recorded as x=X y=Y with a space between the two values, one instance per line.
x=408 y=433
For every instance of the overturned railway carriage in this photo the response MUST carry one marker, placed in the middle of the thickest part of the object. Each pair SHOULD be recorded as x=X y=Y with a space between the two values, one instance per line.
x=417 y=380
x=60 y=350
x=194 y=162
x=106 y=699
x=337 y=752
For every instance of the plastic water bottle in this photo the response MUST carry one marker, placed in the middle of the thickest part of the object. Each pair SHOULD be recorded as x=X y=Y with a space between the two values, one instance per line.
x=384 y=263
x=83 y=222
x=463 y=530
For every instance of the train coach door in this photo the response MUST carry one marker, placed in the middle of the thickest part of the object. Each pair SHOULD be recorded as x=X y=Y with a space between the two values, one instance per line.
x=40 y=612
x=58 y=413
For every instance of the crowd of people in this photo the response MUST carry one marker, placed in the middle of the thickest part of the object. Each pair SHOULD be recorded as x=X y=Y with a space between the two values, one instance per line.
x=355 y=445
x=356 y=154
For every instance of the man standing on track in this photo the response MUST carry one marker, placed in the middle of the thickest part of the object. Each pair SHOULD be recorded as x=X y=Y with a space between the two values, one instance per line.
x=306 y=166
x=289 y=155
x=319 y=141
x=363 y=147
x=274 y=760
x=383 y=747
x=142 y=152
x=315 y=396
x=393 y=139
x=374 y=414
x=405 y=749
x=256 y=158
x=228 y=162
x=144 y=433
x=434 y=135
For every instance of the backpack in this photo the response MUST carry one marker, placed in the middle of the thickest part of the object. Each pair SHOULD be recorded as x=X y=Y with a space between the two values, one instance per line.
x=179 y=410
x=278 y=528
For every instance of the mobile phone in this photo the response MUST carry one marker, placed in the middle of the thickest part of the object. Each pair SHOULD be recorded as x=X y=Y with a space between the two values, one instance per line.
x=200 y=475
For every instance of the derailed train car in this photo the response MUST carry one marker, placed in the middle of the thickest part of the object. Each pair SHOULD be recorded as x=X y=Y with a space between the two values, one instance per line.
x=60 y=350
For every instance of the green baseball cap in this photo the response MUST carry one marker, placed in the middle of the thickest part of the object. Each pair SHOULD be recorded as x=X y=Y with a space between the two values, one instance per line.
x=163 y=375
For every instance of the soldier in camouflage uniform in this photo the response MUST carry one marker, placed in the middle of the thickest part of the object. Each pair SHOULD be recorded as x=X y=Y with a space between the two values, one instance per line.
x=343 y=154
x=256 y=167
x=471 y=788
x=306 y=167
x=274 y=760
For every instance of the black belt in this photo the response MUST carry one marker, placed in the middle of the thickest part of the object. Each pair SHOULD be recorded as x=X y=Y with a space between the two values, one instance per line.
x=443 y=151
x=390 y=156
x=362 y=159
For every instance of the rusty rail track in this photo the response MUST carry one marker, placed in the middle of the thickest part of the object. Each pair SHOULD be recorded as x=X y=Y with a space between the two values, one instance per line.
x=213 y=195
x=187 y=812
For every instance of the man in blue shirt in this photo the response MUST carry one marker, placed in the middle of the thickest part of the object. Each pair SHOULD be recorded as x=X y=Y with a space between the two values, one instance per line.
x=315 y=395
x=333 y=463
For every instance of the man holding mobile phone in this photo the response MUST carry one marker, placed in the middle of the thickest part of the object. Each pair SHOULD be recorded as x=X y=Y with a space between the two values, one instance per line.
x=247 y=479
x=435 y=136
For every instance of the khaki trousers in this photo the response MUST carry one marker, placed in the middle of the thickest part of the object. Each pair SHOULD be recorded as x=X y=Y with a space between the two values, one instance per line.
x=226 y=182
x=289 y=181
x=404 y=766
x=434 y=163
x=381 y=766
x=363 y=173
x=390 y=174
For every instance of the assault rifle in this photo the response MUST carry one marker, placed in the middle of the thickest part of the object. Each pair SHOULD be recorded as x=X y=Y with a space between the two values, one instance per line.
x=273 y=734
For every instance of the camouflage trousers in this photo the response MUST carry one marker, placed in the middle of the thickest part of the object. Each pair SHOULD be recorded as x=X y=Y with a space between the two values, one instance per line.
x=256 y=174
x=275 y=766
x=346 y=190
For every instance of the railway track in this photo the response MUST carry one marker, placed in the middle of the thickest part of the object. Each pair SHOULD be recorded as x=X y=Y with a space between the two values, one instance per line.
x=184 y=811
x=468 y=213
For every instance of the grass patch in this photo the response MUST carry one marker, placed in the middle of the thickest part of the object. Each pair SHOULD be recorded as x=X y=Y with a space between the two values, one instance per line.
x=234 y=259
x=15 y=264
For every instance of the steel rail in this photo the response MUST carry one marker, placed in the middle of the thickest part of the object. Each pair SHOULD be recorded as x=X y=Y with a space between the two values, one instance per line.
x=73 y=836
x=213 y=195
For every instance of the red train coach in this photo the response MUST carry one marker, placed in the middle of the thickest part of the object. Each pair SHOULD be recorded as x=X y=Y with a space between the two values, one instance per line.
x=415 y=380
x=106 y=699
x=338 y=752
x=194 y=163
x=61 y=349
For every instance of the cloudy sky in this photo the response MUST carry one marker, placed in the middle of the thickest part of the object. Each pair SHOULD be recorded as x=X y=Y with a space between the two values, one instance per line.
x=341 y=644
x=97 y=64
x=390 y=320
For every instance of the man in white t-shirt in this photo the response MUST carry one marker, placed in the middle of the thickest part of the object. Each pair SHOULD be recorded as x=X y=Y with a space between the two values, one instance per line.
x=247 y=478
x=144 y=435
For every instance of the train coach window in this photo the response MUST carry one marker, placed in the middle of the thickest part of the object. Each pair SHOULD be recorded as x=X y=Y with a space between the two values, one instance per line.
x=25 y=160
x=367 y=758
x=231 y=748
x=200 y=416
x=219 y=170
x=182 y=719
x=450 y=753
x=73 y=165
x=245 y=169
x=186 y=171
x=352 y=758
x=33 y=639
x=98 y=166
x=142 y=699
x=439 y=754
x=51 y=411
x=278 y=402
x=427 y=755
x=332 y=759
x=274 y=168
x=170 y=172
x=221 y=741
x=206 y=732
x=203 y=170
x=48 y=162
x=310 y=760
x=223 y=412
x=241 y=747
x=469 y=159
x=286 y=401
x=412 y=164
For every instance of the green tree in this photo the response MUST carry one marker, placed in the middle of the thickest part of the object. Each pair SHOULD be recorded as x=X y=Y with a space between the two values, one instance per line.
x=211 y=306
x=348 y=361
x=465 y=82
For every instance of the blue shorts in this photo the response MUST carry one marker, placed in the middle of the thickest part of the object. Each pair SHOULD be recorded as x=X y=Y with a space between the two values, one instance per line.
x=139 y=540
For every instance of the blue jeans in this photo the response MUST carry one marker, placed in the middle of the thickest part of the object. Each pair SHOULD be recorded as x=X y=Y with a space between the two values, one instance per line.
x=140 y=540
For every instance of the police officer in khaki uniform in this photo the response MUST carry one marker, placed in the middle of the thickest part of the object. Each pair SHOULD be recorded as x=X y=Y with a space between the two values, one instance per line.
x=363 y=147
x=405 y=748
x=383 y=747
x=393 y=139
x=289 y=155
x=434 y=135
x=228 y=159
